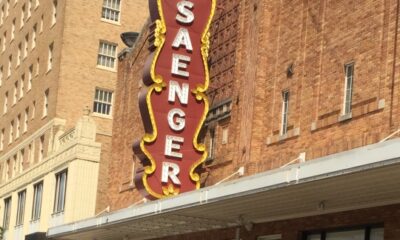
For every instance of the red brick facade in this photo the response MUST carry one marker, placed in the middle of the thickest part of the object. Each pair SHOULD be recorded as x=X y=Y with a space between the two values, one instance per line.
x=253 y=45
x=294 y=229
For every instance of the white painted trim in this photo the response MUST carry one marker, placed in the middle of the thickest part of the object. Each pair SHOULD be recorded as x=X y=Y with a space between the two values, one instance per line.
x=270 y=237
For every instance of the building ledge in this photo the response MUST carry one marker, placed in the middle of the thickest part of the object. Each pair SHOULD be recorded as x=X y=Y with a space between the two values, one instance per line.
x=359 y=178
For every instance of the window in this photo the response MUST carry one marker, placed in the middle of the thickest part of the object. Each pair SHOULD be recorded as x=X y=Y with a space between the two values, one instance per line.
x=2 y=15
x=15 y=165
x=34 y=36
x=29 y=8
x=348 y=89
x=26 y=119
x=54 y=15
x=5 y=105
x=37 y=66
x=285 y=112
x=50 y=57
x=21 y=160
x=367 y=233
x=22 y=86
x=19 y=54
x=9 y=65
x=2 y=139
x=7 y=213
x=33 y=109
x=26 y=46
x=41 y=23
x=102 y=102
x=31 y=153
x=37 y=201
x=22 y=16
x=1 y=75
x=37 y=3
x=13 y=29
x=41 y=148
x=21 y=208
x=111 y=10
x=4 y=41
x=7 y=7
x=211 y=144
x=46 y=103
x=30 y=77
x=61 y=187
x=7 y=170
x=15 y=98
x=107 y=55
x=18 y=126
x=10 y=138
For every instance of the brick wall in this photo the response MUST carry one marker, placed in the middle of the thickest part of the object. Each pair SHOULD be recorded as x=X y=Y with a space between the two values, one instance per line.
x=293 y=229
x=253 y=44
x=127 y=127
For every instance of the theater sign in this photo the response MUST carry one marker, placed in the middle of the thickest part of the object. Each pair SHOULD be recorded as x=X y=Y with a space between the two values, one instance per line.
x=174 y=105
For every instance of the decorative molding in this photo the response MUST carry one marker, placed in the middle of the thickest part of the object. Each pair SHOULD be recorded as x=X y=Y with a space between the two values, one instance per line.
x=35 y=135
x=220 y=111
x=292 y=133
x=369 y=106
x=345 y=117
x=77 y=151
x=77 y=144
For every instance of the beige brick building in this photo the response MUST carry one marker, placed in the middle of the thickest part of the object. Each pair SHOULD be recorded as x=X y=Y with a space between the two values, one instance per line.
x=58 y=64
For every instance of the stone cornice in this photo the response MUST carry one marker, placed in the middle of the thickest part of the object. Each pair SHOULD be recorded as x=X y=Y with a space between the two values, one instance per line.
x=76 y=150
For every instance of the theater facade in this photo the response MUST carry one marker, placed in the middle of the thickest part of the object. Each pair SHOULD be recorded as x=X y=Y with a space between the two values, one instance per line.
x=302 y=131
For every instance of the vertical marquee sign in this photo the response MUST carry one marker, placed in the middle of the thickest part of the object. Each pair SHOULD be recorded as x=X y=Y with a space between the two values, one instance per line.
x=173 y=105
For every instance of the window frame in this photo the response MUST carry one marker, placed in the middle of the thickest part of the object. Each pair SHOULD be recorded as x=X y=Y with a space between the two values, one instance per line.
x=33 y=36
x=18 y=126
x=15 y=95
x=11 y=132
x=26 y=120
x=101 y=102
x=21 y=87
x=54 y=12
x=1 y=75
x=211 y=143
x=37 y=201
x=46 y=103
x=41 y=148
x=59 y=201
x=30 y=78
x=104 y=58
x=5 y=103
x=2 y=134
x=348 y=88
x=112 y=11
x=26 y=47
x=23 y=16
x=19 y=221
x=7 y=213
x=285 y=112
x=50 y=57
x=10 y=61
x=3 y=47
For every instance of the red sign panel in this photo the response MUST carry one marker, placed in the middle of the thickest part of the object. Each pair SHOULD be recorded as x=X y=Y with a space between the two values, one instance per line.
x=174 y=105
